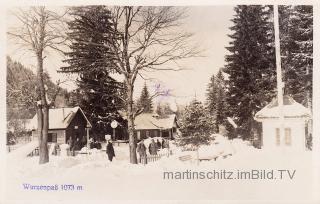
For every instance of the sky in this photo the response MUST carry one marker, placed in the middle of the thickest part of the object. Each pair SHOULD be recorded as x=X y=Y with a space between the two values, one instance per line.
x=210 y=26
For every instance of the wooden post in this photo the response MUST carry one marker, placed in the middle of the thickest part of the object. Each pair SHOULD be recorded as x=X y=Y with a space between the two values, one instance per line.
x=88 y=145
x=280 y=84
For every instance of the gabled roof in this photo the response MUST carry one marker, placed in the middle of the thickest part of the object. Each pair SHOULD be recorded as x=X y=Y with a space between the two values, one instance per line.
x=291 y=109
x=60 y=118
x=147 y=121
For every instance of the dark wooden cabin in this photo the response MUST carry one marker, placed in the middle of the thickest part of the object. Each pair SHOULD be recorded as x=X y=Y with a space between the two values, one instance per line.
x=65 y=123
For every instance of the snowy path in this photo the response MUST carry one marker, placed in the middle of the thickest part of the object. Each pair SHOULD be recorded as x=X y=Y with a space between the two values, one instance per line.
x=22 y=152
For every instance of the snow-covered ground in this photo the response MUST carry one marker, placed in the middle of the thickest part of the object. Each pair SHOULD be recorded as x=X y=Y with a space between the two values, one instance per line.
x=119 y=180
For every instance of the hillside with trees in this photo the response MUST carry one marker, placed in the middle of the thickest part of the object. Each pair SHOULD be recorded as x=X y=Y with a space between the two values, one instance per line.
x=21 y=97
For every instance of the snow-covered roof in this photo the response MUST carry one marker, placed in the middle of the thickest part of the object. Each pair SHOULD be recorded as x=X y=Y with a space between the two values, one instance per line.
x=147 y=121
x=291 y=109
x=59 y=118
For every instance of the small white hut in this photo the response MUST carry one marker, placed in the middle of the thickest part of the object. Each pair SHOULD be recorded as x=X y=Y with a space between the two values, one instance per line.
x=295 y=120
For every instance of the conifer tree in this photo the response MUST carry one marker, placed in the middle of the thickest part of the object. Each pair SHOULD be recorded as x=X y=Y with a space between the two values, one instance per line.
x=221 y=97
x=211 y=99
x=145 y=100
x=100 y=94
x=296 y=29
x=250 y=65
x=215 y=101
x=195 y=126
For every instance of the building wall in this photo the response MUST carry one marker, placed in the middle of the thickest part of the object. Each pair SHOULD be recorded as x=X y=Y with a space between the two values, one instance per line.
x=64 y=134
x=77 y=127
x=142 y=134
x=61 y=135
x=297 y=130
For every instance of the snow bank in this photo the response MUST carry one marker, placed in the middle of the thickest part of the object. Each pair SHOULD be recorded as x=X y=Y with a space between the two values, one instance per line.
x=22 y=152
x=119 y=179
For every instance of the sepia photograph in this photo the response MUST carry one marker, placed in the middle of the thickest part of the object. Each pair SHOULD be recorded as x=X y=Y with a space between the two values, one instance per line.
x=110 y=102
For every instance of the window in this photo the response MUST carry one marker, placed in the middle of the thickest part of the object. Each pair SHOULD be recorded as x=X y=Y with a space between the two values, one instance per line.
x=147 y=133
x=156 y=133
x=277 y=136
x=52 y=137
x=287 y=135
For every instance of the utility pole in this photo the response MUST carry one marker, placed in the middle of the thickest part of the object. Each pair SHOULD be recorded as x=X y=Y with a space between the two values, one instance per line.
x=280 y=84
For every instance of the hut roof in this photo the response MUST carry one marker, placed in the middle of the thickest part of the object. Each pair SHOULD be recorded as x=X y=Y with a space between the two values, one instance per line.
x=291 y=109
x=152 y=121
x=59 y=118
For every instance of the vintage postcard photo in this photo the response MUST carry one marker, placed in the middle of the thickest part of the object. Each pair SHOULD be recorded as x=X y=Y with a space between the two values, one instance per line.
x=133 y=102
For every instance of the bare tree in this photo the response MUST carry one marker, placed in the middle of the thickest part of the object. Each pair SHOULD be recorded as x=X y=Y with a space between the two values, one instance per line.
x=146 y=39
x=39 y=31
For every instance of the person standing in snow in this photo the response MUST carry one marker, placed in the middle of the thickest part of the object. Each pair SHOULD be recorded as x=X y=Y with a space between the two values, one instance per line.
x=153 y=148
x=76 y=146
x=163 y=143
x=83 y=141
x=142 y=151
x=158 y=144
x=70 y=143
x=110 y=151
x=91 y=143
x=167 y=144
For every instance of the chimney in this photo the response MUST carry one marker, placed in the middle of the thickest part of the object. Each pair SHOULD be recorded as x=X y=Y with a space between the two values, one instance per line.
x=63 y=113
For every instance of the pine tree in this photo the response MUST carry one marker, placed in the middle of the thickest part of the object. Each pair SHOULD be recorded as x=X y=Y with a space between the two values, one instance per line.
x=215 y=101
x=195 y=126
x=250 y=66
x=211 y=100
x=296 y=29
x=145 y=101
x=221 y=97
x=100 y=94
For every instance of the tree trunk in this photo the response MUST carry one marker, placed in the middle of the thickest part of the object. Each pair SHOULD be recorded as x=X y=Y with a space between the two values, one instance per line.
x=43 y=115
x=43 y=146
x=309 y=106
x=132 y=139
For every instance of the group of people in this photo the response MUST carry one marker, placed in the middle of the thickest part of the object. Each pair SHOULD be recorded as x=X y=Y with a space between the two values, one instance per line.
x=77 y=144
x=141 y=149
x=153 y=149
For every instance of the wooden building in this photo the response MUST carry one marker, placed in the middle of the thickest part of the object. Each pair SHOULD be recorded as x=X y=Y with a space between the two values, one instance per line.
x=63 y=124
x=151 y=125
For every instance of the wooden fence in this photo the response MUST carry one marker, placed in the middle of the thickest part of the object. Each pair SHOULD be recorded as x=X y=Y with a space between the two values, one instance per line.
x=10 y=148
x=153 y=158
x=35 y=152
